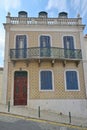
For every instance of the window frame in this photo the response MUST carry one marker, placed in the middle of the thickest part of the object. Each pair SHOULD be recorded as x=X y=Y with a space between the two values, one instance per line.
x=40 y=81
x=78 y=80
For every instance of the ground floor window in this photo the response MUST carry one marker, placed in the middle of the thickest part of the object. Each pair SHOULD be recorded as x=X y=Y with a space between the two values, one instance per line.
x=72 y=80
x=46 y=80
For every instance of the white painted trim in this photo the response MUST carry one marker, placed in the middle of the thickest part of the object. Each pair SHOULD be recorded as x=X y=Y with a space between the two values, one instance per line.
x=74 y=39
x=52 y=80
x=45 y=28
x=77 y=78
x=12 y=93
x=5 y=72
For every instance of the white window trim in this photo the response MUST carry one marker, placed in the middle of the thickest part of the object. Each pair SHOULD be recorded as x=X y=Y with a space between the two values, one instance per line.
x=77 y=79
x=52 y=81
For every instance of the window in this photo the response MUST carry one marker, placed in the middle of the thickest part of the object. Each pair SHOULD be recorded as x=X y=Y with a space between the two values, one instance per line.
x=68 y=42
x=72 y=80
x=69 y=50
x=46 y=80
x=21 y=45
x=45 y=46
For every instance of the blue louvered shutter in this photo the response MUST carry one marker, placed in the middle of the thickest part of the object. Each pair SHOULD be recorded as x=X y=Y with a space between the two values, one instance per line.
x=49 y=80
x=25 y=46
x=68 y=80
x=65 y=46
x=17 y=47
x=41 y=41
x=71 y=80
x=48 y=46
x=46 y=80
x=47 y=41
x=41 y=46
x=71 y=45
x=75 y=83
x=65 y=42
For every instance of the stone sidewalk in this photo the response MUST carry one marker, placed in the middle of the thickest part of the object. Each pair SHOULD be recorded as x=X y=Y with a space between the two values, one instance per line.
x=44 y=115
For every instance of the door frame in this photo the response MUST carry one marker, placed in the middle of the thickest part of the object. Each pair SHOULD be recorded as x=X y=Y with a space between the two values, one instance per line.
x=12 y=91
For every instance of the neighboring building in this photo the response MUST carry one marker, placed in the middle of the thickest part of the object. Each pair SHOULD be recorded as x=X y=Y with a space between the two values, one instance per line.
x=1 y=83
x=85 y=60
x=43 y=63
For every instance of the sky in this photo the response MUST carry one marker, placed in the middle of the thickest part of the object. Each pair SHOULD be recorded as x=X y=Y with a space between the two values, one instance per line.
x=33 y=7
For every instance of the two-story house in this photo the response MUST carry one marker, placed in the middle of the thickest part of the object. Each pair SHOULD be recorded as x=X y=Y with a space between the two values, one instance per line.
x=43 y=63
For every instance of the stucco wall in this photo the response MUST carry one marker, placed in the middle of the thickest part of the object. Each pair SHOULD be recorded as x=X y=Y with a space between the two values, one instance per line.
x=58 y=70
x=34 y=69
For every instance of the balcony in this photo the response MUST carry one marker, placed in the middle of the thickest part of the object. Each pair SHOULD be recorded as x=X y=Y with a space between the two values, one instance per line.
x=52 y=54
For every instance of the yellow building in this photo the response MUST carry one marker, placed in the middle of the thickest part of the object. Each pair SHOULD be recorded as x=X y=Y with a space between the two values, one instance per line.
x=43 y=62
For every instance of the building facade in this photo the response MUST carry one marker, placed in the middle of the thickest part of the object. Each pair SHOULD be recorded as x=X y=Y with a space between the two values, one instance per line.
x=43 y=63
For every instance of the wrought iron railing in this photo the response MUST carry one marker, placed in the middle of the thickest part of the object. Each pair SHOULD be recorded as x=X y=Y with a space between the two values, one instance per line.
x=42 y=53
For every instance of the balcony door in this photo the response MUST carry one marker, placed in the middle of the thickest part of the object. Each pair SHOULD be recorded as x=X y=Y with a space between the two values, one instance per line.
x=20 y=88
x=69 y=51
x=45 y=46
x=21 y=45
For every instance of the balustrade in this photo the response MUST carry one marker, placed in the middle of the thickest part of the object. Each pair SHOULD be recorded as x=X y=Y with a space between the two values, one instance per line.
x=48 y=21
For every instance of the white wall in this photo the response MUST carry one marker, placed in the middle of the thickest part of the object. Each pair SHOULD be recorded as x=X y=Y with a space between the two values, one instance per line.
x=78 y=108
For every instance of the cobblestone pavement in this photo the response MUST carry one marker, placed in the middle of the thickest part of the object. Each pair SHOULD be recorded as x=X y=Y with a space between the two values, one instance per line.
x=11 y=122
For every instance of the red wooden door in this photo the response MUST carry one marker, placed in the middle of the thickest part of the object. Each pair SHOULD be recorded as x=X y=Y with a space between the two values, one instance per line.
x=20 y=88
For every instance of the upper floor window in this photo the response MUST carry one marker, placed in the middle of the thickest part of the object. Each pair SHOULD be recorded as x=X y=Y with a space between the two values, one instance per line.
x=68 y=42
x=45 y=46
x=69 y=50
x=44 y=41
x=46 y=80
x=21 y=41
x=21 y=45
x=72 y=80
